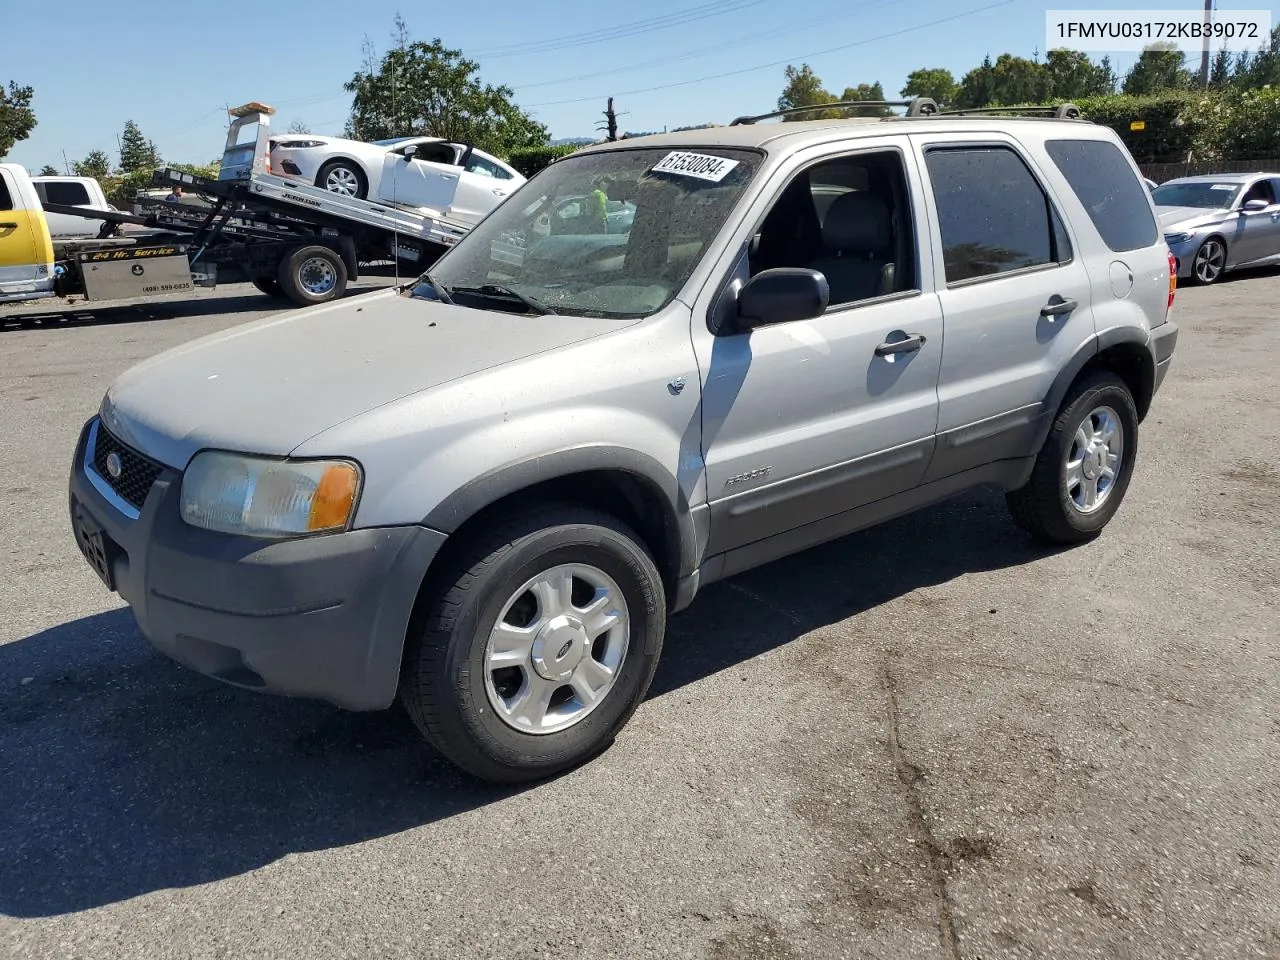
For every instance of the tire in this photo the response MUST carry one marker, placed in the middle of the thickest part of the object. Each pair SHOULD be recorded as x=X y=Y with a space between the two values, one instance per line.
x=344 y=178
x=470 y=710
x=270 y=286
x=1210 y=261
x=313 y=274
x=1052 y=507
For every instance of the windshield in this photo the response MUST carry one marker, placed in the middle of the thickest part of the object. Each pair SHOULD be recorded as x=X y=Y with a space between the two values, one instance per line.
x=1203 y=194
x=611 y=234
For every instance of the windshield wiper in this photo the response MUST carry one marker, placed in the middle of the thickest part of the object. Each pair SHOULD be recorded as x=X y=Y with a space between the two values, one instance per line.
x=500 y=291
x=441 y=290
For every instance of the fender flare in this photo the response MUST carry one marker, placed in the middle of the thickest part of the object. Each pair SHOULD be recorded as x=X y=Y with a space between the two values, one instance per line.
x=1091 y=348
x=511 y=478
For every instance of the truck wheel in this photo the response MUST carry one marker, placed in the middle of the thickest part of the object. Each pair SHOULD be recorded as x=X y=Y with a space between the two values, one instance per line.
x=537 y=646
x=314 y=274
x=270 y=286
x=1083 y=470
x=344 y=178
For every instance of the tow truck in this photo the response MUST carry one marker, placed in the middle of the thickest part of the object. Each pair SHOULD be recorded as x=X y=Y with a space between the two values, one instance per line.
x=288 y=239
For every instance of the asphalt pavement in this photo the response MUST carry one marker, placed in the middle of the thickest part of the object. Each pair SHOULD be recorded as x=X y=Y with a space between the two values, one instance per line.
x=928 y=740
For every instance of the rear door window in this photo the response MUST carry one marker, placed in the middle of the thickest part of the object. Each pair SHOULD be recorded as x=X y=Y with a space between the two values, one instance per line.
x=6 y=200
x=993 y=215
x=1104 y=183
x=67 y=194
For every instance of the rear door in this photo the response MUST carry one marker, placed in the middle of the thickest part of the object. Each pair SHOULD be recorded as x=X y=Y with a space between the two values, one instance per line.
x=68 y=193
x=418 y=182
x=1016 y=299
x=24 y=254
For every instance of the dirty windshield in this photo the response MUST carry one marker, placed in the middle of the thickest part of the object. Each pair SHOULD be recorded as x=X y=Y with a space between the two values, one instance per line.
x=614 y=234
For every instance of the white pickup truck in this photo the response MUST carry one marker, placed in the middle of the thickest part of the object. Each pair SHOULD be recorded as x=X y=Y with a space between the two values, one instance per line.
x=71 y=192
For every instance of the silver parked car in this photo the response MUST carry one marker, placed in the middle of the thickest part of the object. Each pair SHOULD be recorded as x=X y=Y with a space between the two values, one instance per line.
x=1214 y=224
x=484 y=492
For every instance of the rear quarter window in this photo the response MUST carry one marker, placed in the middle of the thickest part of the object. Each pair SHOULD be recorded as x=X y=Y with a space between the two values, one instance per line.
x=1113 y=196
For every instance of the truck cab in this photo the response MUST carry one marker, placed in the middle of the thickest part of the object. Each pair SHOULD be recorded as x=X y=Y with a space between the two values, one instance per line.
x=26 y=248
x=71 y=192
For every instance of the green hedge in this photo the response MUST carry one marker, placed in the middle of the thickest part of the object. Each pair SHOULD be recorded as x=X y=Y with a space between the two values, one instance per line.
x=529 y=162
x=1204 y=125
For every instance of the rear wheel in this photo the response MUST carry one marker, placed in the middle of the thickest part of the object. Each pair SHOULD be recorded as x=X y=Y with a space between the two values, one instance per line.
x=343 y=177
x=313 y=274
x=539 y=645
x=270 y=286
x=1083 y=470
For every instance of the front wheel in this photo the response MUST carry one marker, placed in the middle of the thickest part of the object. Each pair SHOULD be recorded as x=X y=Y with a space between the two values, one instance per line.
x=539 y=645
x=344 y=178
x=1210 y=262
x=1083 y=470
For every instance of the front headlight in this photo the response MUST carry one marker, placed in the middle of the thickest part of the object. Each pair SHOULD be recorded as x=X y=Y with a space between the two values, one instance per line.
x=1172 y=238
x=260 y=497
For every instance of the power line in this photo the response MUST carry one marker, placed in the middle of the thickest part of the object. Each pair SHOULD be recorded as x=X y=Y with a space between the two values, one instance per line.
x=703 y=51
x=635 y=28
x=778 y=63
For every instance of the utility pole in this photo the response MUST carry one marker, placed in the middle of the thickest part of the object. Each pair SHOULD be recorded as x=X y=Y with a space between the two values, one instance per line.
x=611 y=121
x=1204 y=54
x=66 y=163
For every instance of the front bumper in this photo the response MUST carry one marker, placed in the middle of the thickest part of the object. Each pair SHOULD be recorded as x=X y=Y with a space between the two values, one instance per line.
x=322 y=617
x=1185 y=254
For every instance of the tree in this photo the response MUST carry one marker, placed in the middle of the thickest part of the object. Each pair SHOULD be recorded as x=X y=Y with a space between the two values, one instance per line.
x=866 y=91
x=136 y=151
x=426 y=89
x=17 y=119
x=1261 y=69
x=49 y=170
x=804 y=89
x=933 y=82
x=299 y=126
x=1072 y=75
x=96 y=165
x=1158 y=69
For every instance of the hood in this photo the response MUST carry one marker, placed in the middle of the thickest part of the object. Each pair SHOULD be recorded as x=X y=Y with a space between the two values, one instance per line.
x=268 y=386
x=1188 y=217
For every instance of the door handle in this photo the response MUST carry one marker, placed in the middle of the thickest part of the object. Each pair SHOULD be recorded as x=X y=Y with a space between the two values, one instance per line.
x=1056 y=307
x=908 y=344
x=8 y=226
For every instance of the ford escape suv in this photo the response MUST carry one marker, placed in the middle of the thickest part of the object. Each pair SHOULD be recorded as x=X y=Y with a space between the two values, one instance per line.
x=485 y=491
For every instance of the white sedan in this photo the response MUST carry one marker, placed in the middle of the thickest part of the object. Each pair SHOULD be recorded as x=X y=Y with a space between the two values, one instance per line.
x=453 y=179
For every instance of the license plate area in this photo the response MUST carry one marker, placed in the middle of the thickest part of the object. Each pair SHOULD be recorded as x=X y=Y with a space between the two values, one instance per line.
x=98 y=548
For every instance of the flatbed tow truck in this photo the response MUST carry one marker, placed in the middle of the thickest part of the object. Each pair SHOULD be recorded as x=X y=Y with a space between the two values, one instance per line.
x=289 y=239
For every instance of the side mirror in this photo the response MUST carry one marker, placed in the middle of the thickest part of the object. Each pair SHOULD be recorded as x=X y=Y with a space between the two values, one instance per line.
x=1255 y=206
x=781 y=296
x=410 y=151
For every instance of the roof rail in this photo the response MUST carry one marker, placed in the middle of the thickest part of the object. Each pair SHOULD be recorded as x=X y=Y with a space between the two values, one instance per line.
x=1064 y=111
x=917 y=107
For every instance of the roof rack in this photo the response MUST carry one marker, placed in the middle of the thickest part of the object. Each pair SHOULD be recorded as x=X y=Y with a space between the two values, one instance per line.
x=917 y=107
x=1064 y=111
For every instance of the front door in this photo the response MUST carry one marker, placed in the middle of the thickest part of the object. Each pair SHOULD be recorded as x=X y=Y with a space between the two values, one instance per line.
x=482 y=186
x=1257 y=233
x=803 y=421
x=411 y=182
x=1016 y=301
x=24 y=265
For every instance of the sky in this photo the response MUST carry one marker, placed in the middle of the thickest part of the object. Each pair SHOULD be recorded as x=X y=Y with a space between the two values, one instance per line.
x=174 y=68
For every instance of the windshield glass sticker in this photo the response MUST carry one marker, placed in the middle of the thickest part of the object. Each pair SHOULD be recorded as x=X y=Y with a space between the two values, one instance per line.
x=1223 y=186
x=700 y=165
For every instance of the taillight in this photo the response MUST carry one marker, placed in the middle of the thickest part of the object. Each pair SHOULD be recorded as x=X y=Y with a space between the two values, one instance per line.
x=1173 y=283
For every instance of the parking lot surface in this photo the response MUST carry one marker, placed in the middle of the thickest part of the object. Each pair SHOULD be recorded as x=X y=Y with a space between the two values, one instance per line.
x=931 y=739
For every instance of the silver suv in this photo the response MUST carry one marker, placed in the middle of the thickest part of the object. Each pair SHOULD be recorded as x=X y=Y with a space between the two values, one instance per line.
x=486 y=491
